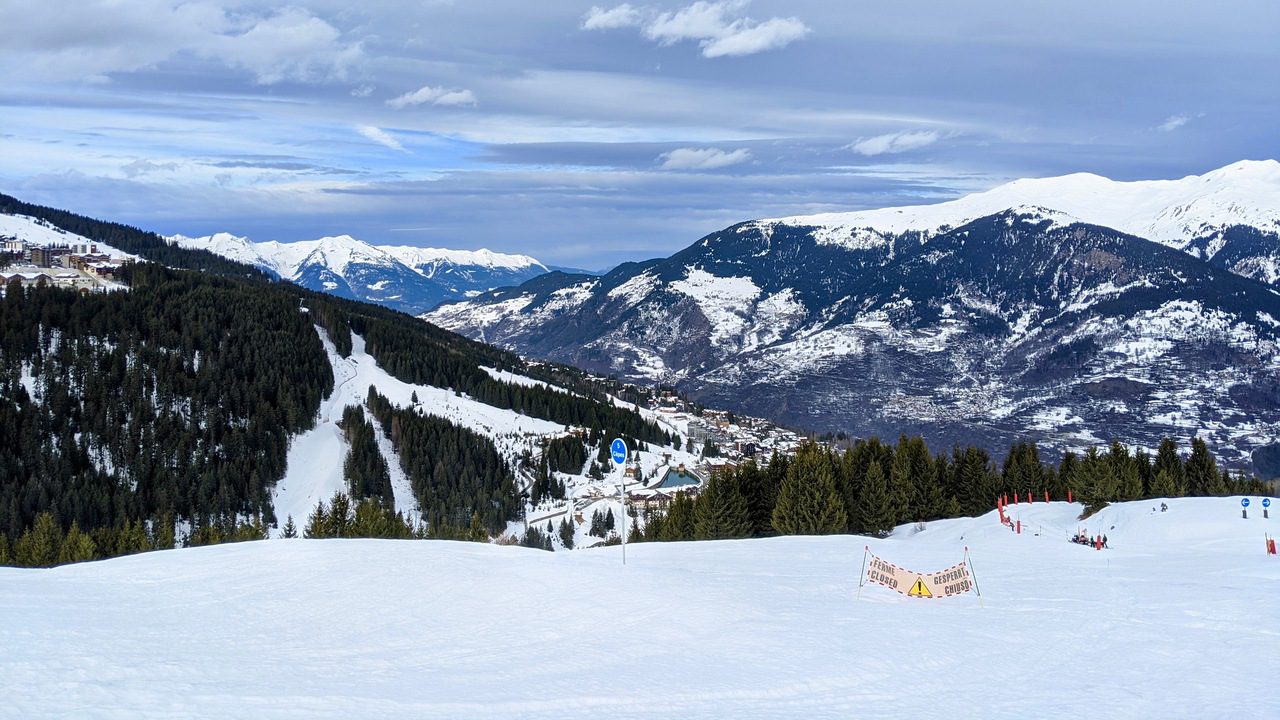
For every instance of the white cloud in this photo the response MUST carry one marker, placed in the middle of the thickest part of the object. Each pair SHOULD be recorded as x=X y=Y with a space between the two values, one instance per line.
x=597 y=18
x=719 y=27
x=434 y=95
x=90 y=39
x=768 y=35
x=702 y=158
x=894 y=142
x=1173 y=122
x=380 y=136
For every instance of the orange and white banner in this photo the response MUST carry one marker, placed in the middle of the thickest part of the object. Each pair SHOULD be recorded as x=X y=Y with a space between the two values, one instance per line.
x=954 y=580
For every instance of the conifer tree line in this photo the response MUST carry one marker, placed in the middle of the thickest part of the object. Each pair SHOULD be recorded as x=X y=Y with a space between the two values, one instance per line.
x=365 y=470
x=456 y=473
x=873 y=487
x=172 y=401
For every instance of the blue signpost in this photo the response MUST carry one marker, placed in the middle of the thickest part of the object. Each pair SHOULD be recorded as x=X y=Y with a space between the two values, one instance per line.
x=1244 y=502
x=618 y=451
x=1266 y=502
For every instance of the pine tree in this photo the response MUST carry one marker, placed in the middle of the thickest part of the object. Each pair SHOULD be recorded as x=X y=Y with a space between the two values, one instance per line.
x=1201 y=470
x=5 y=556
x=76 y=547
x=721 y=511
x=808 y=502
x=875 y=506
x=1125 y=470
x=1163 y=486
x=680 y=519
x=477 y=532
x=318 y=522
x=975 y=482
x=566 y=533
x=162 y=537
x=39 y=546
x=1099 y=483
x=1169 y=462
x=290 y=530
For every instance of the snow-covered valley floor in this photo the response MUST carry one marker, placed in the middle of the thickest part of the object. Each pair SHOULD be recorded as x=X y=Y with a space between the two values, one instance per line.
x=1178 y=620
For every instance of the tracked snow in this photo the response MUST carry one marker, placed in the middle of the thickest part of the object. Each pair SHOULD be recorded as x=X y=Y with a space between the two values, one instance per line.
x=314 y=471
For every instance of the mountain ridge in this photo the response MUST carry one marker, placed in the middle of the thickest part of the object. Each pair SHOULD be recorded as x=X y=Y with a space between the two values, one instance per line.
x=407 y=278
x=1027 y=317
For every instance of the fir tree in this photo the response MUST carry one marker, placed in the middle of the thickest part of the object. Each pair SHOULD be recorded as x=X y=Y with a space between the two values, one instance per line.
x=162 y=537
x=39 y=546
x=808 y=503
x=680 y=519
x=721 y=511
x=1163 y=486
x=290 y=530
x=566 y=533
x=76 y=546
x=1169 y=462
x=1201 y=470
x=875 y=506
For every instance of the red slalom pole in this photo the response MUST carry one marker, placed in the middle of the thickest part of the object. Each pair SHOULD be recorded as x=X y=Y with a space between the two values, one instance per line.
x=1069 y=495
x=1046 y=496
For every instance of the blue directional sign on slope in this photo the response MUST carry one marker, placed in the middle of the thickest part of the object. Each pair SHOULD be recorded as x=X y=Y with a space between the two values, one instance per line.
x=1266 y=502
x=618 y=450
x=1244 y=502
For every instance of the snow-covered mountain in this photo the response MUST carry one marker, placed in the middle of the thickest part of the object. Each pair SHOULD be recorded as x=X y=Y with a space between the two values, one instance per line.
x=1197 y=213
x=773 y=628
x=406 y=278
x=1022 y=308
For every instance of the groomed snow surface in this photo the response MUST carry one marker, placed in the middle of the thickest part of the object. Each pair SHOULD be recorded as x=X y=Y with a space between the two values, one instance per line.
x=1176 y=621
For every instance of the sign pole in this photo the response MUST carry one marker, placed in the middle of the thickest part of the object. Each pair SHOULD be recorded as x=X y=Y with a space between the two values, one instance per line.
x=975 y=577
x=863 y=576
x=618 y=452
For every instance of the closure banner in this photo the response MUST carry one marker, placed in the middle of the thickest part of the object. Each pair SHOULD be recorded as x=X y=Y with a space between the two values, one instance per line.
x=954 y=580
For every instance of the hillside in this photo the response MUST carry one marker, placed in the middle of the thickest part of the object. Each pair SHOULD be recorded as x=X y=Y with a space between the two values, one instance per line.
x=199 y=407
x=1078 y=307
x=1169 y=622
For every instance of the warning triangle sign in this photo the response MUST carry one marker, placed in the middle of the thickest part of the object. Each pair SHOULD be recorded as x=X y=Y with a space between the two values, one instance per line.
x=920 y=589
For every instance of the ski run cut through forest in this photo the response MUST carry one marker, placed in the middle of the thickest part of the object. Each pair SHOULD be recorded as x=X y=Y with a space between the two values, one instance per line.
x=1170 y=621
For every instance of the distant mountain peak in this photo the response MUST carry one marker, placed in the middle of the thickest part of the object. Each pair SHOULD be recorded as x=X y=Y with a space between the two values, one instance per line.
x=1171 y=212
x=408 y=278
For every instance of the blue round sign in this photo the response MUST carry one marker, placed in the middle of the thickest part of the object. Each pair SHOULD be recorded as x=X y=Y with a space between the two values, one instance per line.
x=1244 y=502
x=618 y=450
x=1266 y=502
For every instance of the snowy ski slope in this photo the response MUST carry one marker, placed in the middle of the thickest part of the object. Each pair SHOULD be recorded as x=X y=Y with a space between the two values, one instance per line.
x=1178 y=620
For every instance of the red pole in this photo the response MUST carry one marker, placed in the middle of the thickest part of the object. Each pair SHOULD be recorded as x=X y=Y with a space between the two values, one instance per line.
x=1019 y=527
x=1029 y=498
x=1046 y=496
x=1069 y=495
x=1015 y=498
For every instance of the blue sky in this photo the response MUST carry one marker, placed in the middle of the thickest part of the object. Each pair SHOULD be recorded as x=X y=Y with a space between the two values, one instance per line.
x=587 y=134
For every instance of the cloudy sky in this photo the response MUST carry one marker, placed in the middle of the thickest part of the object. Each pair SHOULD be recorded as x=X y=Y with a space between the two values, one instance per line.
x=587 y=134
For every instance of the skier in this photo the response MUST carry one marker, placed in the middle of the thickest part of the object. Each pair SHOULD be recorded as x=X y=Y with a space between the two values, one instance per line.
x=1104 y=540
